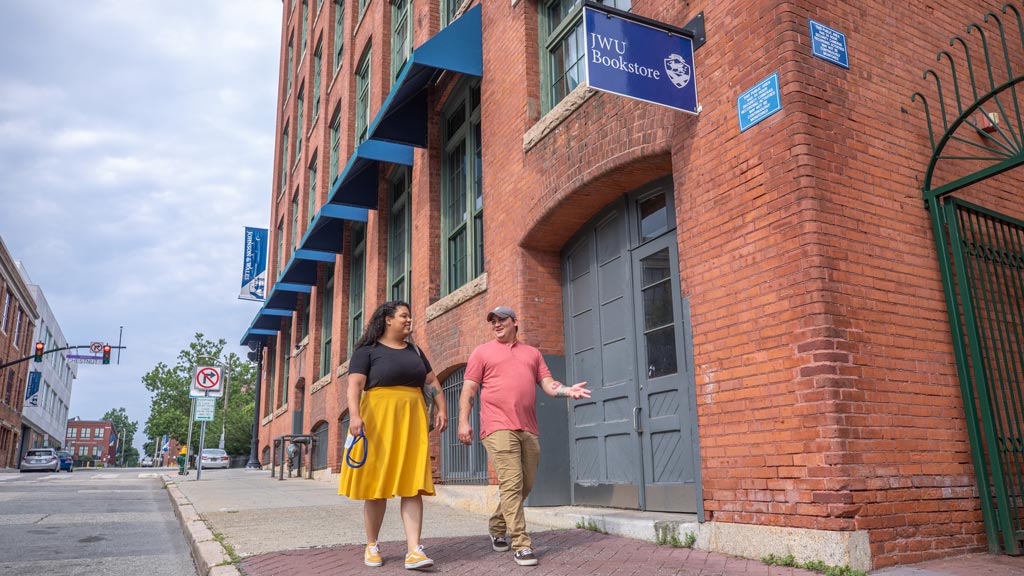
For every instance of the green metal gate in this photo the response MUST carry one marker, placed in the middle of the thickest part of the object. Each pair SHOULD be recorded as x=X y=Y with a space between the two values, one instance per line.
x=981 y=253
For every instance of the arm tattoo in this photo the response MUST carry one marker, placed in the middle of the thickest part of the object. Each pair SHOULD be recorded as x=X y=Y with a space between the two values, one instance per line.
x=562 y=392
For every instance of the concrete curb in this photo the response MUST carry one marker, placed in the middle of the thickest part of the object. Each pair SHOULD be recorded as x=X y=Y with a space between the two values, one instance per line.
x=210 y=556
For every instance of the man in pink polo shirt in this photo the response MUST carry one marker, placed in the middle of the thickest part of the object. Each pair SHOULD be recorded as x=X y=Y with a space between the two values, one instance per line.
x=507 y=373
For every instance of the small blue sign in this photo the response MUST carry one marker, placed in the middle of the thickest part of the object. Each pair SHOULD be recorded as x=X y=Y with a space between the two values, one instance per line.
x=254 y=268
x=759 y=102
x=637 y=61
x=829 y=44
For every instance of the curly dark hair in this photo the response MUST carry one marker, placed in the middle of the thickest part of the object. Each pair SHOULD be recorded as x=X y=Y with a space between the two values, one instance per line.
x=375 y=326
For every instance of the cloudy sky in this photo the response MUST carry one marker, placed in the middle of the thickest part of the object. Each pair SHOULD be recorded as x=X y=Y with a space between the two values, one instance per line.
x=136 y=142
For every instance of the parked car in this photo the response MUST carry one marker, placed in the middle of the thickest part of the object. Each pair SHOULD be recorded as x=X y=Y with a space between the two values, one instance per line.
x=147 y=462
x=67 y=461
x=215 y=458
x=40 y=460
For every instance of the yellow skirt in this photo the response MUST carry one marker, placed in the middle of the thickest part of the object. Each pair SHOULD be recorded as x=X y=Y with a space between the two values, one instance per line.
x=398 y=462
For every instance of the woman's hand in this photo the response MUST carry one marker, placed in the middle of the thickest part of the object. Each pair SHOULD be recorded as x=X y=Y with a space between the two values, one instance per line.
x=441 y=421
x=355 y=426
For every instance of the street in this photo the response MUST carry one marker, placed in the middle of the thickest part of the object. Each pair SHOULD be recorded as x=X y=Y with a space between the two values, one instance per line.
x=90 y=522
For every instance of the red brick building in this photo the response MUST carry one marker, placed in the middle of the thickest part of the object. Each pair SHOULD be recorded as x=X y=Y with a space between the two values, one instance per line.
x=92 y=439
x=762 y=314
x=18 y=317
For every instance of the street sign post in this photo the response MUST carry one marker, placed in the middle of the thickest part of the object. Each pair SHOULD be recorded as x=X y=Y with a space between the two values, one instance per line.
x=205 y=409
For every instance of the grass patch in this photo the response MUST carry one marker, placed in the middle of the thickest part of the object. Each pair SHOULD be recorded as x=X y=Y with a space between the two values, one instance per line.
x=227 y=548
x=815 y=565
x=588 y=524
x=667 y=534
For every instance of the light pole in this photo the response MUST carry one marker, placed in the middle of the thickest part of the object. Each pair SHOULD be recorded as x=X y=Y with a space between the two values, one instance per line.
x=254 y=456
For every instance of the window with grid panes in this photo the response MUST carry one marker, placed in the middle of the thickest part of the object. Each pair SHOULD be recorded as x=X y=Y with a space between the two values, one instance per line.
x=285 y=367
x=399 y=237
x=284 y=160
x=356 y=275
x=335 y=147
x=339 y=32
x=304 y=318
x=269 y=404
x=305 y=24
x=295 y=220
x=86 y=433
x=17 y=329
x=362 y=98
x=7 y=309
x=401 y=37
x=313 y=204
x=317 y=65
x=448 y=10
x=562 y=47
x=462 y=257
x=288 y=85
x=299 y=125
x=280 y=246
x=326 y=317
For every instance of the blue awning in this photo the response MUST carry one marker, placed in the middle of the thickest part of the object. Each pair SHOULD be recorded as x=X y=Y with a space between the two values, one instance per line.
x=457 y=48
x=256 y=335
x=285 y=296
x=357 y=185
x=326 y=233
x=301 y=269
x=270 y=319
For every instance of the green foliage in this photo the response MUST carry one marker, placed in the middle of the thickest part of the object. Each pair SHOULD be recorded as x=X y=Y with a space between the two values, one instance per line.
x=815 y=565
x=689 y=540
x=588 y=524
x=227 y=548
x=125 y=429
x=667 y=534
x=171 y=404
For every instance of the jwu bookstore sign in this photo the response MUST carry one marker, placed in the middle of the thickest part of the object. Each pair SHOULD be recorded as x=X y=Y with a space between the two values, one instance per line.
x=640 y=61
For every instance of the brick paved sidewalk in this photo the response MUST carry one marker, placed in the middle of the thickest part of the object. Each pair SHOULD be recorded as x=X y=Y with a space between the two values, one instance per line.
x=561 y=552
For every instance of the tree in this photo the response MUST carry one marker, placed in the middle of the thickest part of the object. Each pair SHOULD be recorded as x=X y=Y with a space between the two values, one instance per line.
x=171 y=404
x=125 y=429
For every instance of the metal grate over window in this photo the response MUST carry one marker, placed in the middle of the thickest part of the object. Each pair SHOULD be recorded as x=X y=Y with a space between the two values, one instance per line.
x=461 y=464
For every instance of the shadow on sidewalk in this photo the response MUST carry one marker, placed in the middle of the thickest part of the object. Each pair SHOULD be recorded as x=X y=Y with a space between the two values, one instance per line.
x=567 y=552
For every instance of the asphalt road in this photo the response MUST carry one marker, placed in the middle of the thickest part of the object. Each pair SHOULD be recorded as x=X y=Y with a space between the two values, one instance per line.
x=98 y=522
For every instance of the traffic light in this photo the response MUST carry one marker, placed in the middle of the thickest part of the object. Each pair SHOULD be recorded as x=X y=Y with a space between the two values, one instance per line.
x=39 y=351
x=106 y=354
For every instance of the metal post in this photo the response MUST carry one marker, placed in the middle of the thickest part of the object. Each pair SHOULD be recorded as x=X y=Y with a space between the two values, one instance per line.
x=199 y=455
x=254 y=456
x=188 y=443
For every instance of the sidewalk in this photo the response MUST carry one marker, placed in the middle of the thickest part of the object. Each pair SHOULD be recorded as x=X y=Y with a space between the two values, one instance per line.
x=245 y=522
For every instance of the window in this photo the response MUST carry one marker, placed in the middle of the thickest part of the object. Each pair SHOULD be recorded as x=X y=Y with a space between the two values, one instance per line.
x=17 y=328
x=462 y=255
x=268 y=408
x=311 y=208
x=83 y=450
x=305 y=24
x=304 y=318
x=448 y=10
x=399 y=245
x=7 y=308
x=335 y=146
x=280 y=246
x=562 y=47
x=300 y=130
x=295 y=220
x=96 y=451
x=362 y=7
x=355 y=287
x=401 y=38
x=284 y=160
x=99 y=434
x=339 y=32
x=72 y=432
x=85 y=433
x=285 y=366
x=363 y=98
x=317 y=65
x=288 y=85
x=326 y=316
x=319 y=5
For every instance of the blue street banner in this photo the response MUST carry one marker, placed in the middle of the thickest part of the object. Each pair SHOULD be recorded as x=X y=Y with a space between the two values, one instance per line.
x=639 y=61
x=165 y=445
x=254 y=268
x=32 y=390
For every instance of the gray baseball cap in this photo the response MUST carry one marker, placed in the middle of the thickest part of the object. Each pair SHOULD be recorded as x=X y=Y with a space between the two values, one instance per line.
x=501 y=312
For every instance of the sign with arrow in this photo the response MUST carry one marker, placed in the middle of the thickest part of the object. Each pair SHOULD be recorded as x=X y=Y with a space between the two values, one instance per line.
x=206 y=382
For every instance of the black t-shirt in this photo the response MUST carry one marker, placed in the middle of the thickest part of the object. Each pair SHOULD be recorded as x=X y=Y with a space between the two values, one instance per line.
x=385 y=366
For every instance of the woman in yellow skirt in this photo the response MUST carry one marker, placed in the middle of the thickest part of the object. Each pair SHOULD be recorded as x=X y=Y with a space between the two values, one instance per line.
x=386 y=377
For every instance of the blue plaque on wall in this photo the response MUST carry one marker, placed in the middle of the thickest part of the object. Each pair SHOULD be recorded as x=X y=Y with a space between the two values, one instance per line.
x=759 y=102
x=829 y=44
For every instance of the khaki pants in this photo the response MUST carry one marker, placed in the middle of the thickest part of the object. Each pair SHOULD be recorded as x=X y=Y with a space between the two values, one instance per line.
x=514 y=454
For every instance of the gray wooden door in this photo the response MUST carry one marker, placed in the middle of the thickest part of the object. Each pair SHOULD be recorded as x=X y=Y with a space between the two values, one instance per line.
x=634 y=443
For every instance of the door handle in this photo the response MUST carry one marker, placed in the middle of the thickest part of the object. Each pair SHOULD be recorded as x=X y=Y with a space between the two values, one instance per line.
x=636 y=420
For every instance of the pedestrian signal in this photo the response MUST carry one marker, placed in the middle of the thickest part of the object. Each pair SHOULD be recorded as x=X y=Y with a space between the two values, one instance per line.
x=39 y=351
x=106 y=354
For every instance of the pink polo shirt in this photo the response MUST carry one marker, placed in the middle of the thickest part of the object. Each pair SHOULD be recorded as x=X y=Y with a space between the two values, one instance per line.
x=508 y=375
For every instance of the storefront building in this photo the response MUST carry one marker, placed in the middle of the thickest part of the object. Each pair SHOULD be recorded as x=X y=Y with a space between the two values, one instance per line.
x=754 y=293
